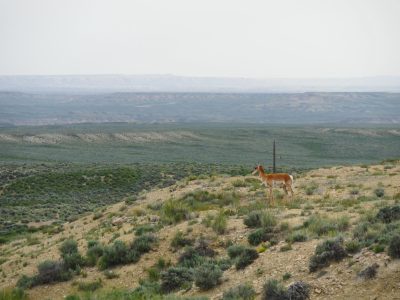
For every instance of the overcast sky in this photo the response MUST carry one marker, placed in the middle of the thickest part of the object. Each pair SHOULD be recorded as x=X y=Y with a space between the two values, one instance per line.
x=281 y=38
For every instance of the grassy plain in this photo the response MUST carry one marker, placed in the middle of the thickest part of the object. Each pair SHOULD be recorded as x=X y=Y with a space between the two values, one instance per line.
x=55 y=173
x=300 y=146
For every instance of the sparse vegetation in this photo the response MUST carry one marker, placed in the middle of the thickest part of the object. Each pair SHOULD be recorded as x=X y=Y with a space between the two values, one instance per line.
x=180 y=240
x=256 y=219
x=273 y=290
x=246 y=258
x=352 y=246
x=240 y=292
x=394 y=246
x=369 y=272
x=207 y=276
x=299 y=291
x=72 y=260
x=379 y=192
x=260 y=235
x=179 y=218
x=327 y=252
x=311 y=188
x=120 y=253
x=90 y=286
x=296 y=237
x=389 y=214
x=219 y=223
x=176 y=278
x=323 y=225
x=13 y=294
x=94 y=252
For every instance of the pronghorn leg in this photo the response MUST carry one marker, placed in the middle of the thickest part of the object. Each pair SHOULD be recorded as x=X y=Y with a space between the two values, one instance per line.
x=291 y=190
x=286 y=193
x=271 y=195
x=285 y=189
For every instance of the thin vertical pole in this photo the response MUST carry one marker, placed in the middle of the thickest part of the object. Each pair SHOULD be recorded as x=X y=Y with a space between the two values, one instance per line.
x=274 y=164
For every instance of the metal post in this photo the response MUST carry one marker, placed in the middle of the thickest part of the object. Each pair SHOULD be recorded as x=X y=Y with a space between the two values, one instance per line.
x=273 y=165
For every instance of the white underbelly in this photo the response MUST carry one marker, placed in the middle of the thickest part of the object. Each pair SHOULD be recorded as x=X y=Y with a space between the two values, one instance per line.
x=275 y=183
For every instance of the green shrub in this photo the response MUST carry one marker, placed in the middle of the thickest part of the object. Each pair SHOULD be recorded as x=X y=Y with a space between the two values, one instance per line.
x=286 y=276
x=25 y=282
x=311 y=188
x=253 y=219
x=379 y=192
x=207 y=276
x=147 y=228
x=51 y=271
x=68 y=247
x=240 y=292
x=299 y=291
x=246 y=258
x=174 y=211
x=72 y=297
x=239 y=183
x=146 y=290
x=179 y=240
x=325 y=253
x=143 y=243
x=389 y=214
x=70 y=255
x=259 y=218
x=323 y=225
x=176 y=278
x=369 y=272
x=367 y=233
x=296 y=237
x=110 y=274
x=285 y=248
x=94 y=252
x=116 y=254
x=354 y=192
x=273 y=290
x=73 y=261
x=353 y=246
x=394 y=247
x=190 y=259
x=219 y=223
x=235 y=250
x=90 y=286
x=97 y=215
x=258 y=236
x=224 y=263
x=13 y=294
x=153 y=274
x=203 y=248
x=195 y=256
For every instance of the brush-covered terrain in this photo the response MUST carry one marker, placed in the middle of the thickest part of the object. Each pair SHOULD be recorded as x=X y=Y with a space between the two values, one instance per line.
x=217 y=237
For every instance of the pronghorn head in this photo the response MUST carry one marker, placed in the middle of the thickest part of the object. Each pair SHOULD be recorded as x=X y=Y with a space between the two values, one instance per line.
x=258 y=168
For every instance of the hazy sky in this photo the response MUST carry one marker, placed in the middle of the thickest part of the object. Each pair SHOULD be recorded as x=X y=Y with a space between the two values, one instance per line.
x=281 y=38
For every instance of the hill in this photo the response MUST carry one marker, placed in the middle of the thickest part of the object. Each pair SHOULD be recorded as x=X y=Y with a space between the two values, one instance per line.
x=186 y=84
x=208 y=228
x=266 y=108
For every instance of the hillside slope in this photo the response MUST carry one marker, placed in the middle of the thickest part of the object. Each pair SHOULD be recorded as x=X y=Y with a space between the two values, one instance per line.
x=328 y=203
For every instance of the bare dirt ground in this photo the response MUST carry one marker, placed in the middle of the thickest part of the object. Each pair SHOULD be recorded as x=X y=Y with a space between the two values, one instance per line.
x=330 y=198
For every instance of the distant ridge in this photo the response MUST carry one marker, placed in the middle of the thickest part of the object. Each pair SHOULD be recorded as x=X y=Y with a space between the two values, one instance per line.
x=19 y=108
x=173 y=83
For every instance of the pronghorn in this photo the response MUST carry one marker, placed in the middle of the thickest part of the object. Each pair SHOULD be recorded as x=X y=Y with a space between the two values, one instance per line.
x=270 y=179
